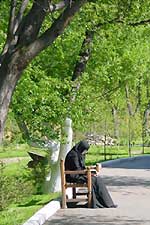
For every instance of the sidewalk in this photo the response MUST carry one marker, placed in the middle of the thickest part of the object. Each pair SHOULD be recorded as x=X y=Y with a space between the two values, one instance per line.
x=129 y=188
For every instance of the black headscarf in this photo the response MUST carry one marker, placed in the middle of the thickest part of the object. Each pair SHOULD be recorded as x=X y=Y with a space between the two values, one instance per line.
x=82 y=146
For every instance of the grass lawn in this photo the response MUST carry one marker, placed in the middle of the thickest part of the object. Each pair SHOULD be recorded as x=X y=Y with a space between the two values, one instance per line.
x=18 y=151
x=17 y=214
x=16 y=169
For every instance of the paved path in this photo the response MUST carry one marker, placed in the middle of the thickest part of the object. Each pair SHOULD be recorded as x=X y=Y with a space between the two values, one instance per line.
x=129 y=188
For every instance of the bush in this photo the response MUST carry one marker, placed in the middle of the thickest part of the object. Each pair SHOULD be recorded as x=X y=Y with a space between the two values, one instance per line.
x=13 y=189
x=38 y=176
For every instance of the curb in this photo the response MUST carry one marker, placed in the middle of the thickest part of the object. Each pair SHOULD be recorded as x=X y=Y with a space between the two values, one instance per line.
x=44 y=213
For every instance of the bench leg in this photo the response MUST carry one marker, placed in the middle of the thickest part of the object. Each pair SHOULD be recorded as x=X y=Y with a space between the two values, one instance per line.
x=74 y=192
x=89 y=199
x=64 y=204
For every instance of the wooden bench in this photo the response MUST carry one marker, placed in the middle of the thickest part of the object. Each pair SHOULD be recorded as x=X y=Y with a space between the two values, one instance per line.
x=65 y=185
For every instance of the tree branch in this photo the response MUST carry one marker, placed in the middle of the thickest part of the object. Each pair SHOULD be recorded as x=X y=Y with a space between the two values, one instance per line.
x=58 y=6
x=57 y=28
x=10 y=29
x=80 y=66
x=84 y=55
x=116 y=20
x=20 y=14
x=31 y=23
x=12 y=18
x=143 y=22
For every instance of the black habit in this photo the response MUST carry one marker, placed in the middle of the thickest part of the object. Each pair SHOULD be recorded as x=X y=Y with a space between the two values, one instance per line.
x=75 y=160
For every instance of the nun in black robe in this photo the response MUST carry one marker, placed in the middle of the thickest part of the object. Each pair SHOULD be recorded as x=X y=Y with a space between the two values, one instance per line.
x=75 y=160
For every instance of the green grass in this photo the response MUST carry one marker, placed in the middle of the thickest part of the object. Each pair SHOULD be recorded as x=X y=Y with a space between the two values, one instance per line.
x=18 y=151
x=16 y=169
x=97 y=153
x=14 y=151
x=19 y=213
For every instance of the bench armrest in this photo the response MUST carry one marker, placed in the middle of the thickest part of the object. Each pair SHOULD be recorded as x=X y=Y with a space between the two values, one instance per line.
x=75 y=171
x=96 y=167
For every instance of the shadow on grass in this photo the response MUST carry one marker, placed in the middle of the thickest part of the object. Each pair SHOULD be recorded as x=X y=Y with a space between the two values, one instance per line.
x=34 y=202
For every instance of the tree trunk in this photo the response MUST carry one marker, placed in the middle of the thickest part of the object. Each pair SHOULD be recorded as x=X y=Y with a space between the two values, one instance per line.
x=129 y=136
x=146 y=126
x=130 y=113
x=129 y=105
x=23 y=128
x=53 y=184
x=116 y=124
x=10 y=71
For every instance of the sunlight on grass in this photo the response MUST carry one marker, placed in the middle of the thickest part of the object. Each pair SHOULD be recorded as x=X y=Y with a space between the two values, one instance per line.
x=19 y=151
x=18 y=214
x=14 y=151
x=16 y=168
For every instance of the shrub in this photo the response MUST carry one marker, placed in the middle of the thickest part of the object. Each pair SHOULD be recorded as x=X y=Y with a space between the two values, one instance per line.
x=38 y=176
x=13 y=189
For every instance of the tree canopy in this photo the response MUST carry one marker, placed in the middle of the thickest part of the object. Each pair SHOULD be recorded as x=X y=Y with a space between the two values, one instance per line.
x=119 y=61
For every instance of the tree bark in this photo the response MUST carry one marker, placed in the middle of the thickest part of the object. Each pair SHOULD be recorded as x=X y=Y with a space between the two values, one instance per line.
x=146 y=117
x=146 y=126
x=130 y=112
x=116 y=124
x=23 y=128
x=84 y=55
x=129 y=105
x=10 y=72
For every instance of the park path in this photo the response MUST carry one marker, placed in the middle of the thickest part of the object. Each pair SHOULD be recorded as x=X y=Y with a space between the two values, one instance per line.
x=13 y=159
x=129 y=188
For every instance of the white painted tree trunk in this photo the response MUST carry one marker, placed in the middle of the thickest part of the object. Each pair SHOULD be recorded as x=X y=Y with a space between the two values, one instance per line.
x=53 y=181
x=67 y=135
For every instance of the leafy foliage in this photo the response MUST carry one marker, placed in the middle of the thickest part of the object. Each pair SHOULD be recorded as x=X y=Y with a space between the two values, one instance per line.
x=120 y=57
x=12 y=189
